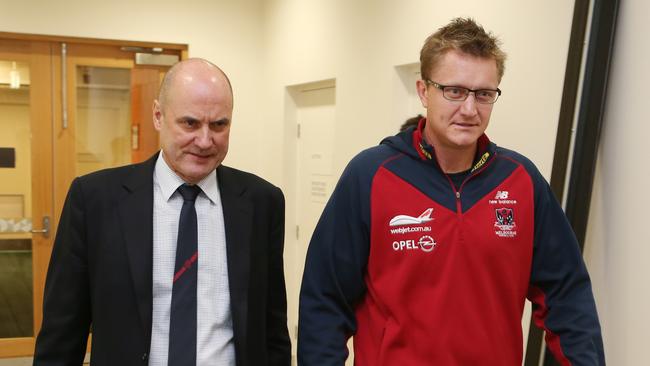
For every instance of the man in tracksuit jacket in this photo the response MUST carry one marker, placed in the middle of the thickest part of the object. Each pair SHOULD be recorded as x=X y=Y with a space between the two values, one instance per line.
x=432 y=241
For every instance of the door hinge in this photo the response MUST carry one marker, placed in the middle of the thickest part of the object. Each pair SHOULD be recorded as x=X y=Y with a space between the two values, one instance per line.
x=297 y=231
x=298 y=130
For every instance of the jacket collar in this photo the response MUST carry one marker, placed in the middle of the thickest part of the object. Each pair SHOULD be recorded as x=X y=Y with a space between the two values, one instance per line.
x=484 y=152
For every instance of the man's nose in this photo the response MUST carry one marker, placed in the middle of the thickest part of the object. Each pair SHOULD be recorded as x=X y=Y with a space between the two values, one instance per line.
x=203 y=138
x=468 y=107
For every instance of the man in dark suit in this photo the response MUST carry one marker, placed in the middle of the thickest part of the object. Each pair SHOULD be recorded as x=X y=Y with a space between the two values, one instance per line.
x=118 y=264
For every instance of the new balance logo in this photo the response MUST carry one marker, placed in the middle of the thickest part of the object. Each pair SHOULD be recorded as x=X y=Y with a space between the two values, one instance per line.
x=400 y=220
x=501 y=195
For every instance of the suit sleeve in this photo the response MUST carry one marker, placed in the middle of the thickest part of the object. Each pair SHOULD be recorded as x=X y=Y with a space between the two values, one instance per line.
x=560 y=288
x=66 y=306
x=278 y=341
x=333 y=279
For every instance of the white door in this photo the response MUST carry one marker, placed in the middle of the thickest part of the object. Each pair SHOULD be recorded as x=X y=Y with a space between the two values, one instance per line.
x=315 y=116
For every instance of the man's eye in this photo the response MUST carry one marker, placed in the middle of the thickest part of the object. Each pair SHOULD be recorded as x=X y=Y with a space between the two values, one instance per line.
x=220 y=123
x=189 y=122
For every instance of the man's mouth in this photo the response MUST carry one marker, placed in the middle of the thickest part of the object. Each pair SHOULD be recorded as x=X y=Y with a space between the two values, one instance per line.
x=461 y=124
x=200 y=155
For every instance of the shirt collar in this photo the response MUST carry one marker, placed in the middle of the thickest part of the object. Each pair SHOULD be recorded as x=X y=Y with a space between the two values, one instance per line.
x=170 y=181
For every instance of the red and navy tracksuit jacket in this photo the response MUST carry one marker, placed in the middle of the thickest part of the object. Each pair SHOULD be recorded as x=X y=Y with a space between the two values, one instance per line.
x=422 y=273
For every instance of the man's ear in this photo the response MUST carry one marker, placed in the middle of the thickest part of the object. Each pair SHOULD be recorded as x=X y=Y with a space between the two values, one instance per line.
x=421 y=87
x=157 y=115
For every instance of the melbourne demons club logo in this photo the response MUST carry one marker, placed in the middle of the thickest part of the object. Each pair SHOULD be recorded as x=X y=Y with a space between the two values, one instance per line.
x=505 y=225
x=505 y=216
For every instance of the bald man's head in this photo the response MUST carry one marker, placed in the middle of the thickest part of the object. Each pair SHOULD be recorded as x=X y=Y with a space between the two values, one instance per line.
x=193 y=113
x=184 y=69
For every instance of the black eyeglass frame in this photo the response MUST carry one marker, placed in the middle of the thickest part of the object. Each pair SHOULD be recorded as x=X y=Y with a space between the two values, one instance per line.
x=442 y=88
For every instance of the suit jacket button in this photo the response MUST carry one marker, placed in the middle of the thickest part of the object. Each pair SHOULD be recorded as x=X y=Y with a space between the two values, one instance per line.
x=144 y=357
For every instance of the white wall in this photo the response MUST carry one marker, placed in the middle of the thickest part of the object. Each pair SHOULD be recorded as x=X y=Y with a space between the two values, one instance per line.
x=227 y=32
x=617 y=246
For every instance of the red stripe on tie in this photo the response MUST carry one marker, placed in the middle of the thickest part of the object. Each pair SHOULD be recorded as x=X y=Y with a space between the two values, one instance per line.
x=187 y=265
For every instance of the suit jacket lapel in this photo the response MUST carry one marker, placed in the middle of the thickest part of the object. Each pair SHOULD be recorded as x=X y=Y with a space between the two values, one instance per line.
x=136 y=217
x=237 y=215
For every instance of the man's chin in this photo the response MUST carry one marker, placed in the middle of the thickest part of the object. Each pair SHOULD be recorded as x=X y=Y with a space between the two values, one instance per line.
x=198 y=173
x=465 y=139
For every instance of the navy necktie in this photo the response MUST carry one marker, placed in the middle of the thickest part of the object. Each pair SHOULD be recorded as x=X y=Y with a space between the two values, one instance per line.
x=182 y=325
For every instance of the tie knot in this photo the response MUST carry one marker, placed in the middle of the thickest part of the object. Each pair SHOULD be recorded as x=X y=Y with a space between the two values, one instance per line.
x=189 y=192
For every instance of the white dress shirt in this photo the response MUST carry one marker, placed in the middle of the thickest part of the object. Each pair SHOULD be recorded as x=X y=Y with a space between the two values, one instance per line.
x=214 y=342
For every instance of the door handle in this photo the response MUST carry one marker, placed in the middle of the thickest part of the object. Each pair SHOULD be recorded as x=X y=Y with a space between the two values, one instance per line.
x=46 y=227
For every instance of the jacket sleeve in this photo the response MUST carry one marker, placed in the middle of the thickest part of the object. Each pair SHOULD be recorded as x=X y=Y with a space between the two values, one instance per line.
x=560 y=288
x=277 y=338
x=333 y=280
x=66 y=305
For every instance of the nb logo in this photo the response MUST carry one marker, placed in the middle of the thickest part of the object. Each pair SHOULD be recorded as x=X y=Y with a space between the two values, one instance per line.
x=501 y=195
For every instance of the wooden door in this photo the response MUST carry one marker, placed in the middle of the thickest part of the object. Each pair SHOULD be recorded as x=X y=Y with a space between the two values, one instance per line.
x=82 y=105
x=145 y=82
x=26 y=199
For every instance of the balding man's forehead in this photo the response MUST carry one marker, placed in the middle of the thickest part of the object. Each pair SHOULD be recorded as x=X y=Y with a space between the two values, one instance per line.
x=188 y=71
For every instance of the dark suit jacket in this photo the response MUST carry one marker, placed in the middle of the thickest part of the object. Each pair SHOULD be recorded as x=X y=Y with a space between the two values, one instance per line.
x=100 y=272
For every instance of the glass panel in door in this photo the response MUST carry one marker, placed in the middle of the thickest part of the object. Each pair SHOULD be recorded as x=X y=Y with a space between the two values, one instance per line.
x=103 y=127
x=16 y=278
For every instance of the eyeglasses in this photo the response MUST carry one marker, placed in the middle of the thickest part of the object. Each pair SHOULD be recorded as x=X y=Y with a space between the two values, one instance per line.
x=459 y=94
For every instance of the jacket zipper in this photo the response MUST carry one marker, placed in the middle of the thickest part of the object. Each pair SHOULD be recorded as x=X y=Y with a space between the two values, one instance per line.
x=457 y=193
x=460 y=189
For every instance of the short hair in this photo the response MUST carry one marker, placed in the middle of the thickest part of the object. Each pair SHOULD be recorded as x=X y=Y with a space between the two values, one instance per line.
x=465 y=35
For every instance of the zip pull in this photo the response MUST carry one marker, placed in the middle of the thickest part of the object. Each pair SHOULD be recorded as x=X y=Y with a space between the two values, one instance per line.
x=457 y=194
